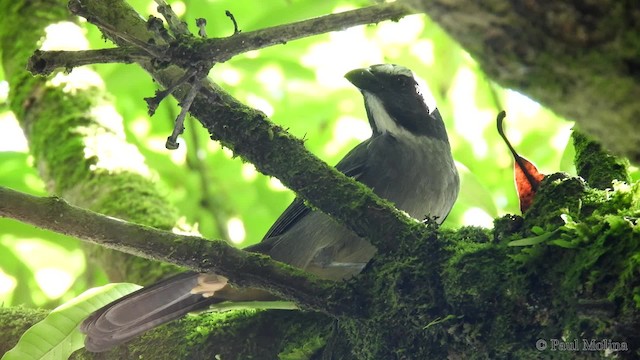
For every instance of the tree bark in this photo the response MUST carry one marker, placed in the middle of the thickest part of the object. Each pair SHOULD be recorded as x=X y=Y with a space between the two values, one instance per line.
x=579 y=58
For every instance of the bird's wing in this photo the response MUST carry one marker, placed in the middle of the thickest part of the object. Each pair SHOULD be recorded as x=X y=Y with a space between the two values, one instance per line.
x=352 y=165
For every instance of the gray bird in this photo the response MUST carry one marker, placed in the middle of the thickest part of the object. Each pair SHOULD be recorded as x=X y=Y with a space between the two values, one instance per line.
x=407 y=160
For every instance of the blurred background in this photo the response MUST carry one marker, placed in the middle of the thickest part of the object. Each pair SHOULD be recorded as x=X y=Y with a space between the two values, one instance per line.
x=301 y=87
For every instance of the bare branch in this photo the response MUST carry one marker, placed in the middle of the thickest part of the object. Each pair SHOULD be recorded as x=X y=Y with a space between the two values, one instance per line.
x=216 y=50
x=45 y=62
x=241 y=267
x=224 y=49
x=185 y=105
x=154 y=102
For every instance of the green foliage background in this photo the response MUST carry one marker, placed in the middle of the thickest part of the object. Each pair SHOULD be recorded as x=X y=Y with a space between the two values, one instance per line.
x=300 y=86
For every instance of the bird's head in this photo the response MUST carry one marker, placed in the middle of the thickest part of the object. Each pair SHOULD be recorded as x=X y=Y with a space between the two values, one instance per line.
x=395 y=102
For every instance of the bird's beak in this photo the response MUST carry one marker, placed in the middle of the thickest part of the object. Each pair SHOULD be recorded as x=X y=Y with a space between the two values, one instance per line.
x=363 y=79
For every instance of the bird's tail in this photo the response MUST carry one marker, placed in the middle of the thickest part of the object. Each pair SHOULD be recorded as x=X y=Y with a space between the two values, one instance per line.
x=150 y=307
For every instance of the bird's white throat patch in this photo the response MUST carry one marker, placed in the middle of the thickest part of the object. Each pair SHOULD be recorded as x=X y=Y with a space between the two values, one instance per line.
x=384 y=122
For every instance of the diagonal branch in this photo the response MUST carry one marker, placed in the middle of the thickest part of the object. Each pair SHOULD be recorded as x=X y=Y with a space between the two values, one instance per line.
x=214 y=49
x=241 y=267
x=223 y=49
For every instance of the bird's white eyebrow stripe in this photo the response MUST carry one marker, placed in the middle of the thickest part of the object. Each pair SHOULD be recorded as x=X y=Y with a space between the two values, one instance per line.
x=393 y=69
x=422 y=86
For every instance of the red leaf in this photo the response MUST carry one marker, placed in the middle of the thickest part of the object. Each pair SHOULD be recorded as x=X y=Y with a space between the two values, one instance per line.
x=528 y=179
x=527 y=176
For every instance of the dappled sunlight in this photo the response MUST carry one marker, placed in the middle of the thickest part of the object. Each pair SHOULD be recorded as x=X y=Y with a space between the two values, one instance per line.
x=470 y=121
x=401 y=33
x=140 y=127
x=519 y=104
x=235 y=229
x=261 y=104
x=562 y=137
x=477 y=217
x=64 y=35
x=272 y=79
x=423 y=50
x=54 y=266
x=7 y=284
x=249 y=172
x=80 y=78
x=11 y=135
x=53 y=282
x=178 y=7
x=228 y=74
x=346 y=130
x=4 y=90
x=330 y=69
x=426 y=92
x=107 y=144
x=276 y=185
x=179 y=156
x=33 y=181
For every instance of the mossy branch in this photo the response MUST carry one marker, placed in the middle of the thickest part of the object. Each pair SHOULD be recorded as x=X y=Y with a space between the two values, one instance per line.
x=241 y=267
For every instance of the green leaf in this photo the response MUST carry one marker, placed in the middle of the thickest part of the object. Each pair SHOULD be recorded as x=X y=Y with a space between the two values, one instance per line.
x=563 y=244
x=537 y=230
x=440 y=320
x=533 y=240
x=57 y=336
x=254 y=305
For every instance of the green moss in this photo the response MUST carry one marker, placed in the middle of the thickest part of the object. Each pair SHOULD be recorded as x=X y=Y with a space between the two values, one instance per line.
x=15 y=321
x=557 y=195
x=399 y=297
x=596 y=166
x=131 y=196
x=304 y=346
x=251 y=334
x=54 y=128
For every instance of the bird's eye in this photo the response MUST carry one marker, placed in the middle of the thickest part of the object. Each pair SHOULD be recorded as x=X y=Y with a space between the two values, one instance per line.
x=405 y=82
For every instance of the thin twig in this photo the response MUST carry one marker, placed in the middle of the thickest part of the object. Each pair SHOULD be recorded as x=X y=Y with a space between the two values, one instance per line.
x=185 y=105
x=201 y=23
x=177 y=26
x=233 y=19
x=154 y=102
